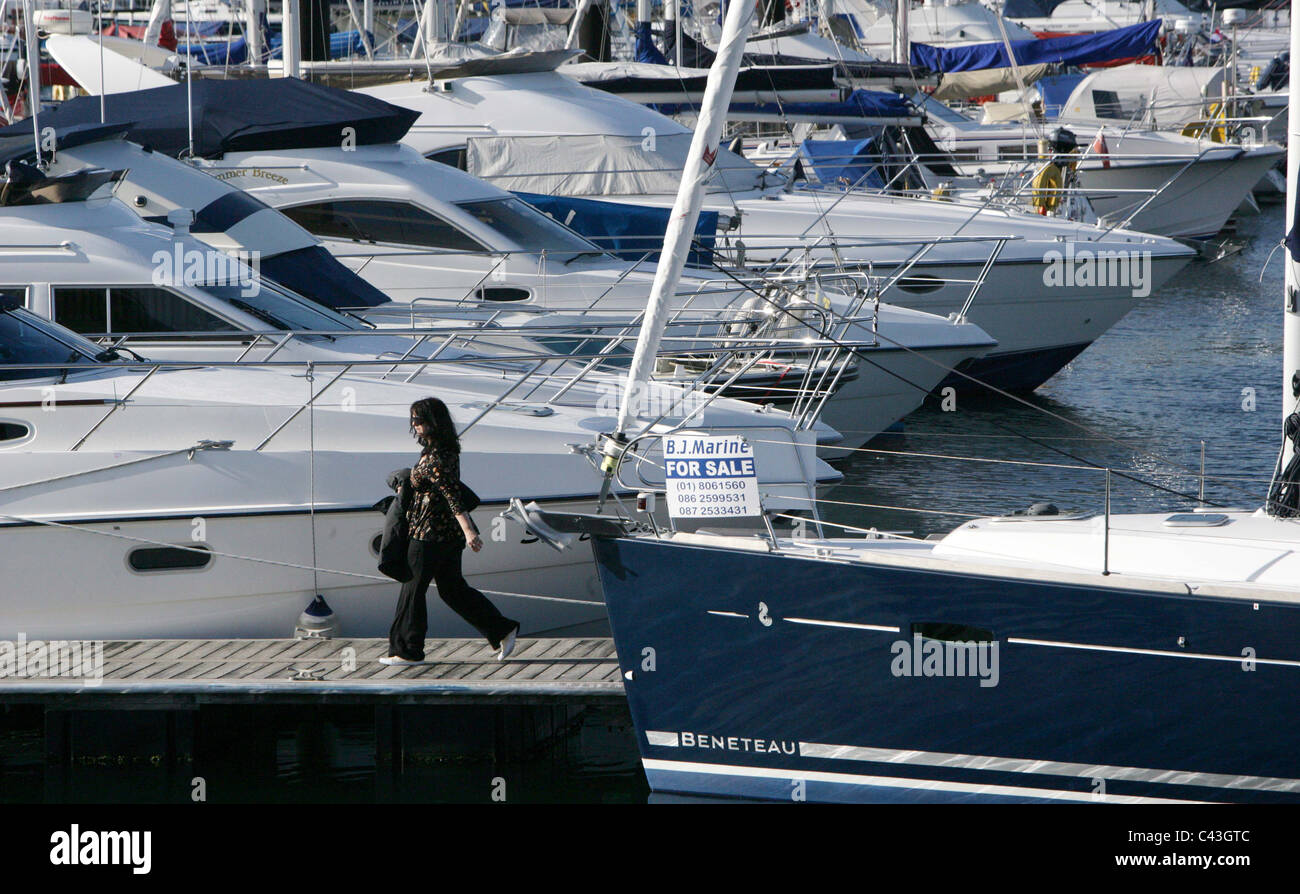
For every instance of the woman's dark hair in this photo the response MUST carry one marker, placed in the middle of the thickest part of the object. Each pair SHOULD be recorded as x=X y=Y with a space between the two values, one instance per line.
x=437 y=422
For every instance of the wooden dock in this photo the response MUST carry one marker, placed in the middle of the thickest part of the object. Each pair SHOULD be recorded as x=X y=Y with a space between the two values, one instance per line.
x=165 y=674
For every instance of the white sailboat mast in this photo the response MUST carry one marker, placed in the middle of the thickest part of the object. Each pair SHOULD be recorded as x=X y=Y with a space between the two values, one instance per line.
x=253 y=31
x=161 y=12
x=33 y=74
x=290 y=46
x=902 y=38
x=1291 y=311
x=581 y=12
x=690 y=195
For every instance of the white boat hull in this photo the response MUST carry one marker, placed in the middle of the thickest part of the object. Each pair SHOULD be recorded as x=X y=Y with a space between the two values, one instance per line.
x=259 y=579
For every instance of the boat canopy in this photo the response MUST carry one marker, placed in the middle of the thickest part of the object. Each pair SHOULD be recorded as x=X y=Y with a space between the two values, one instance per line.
x=1179 y=92
x=17 y=142
x=1121 y=43
x=989 y=82
x=602 y=164
x=236 y=116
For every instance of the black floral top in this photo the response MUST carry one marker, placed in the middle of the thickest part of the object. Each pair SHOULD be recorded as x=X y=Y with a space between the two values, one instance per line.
x=435 y=501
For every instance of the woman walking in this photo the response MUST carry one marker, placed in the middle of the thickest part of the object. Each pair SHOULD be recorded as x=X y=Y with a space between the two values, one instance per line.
x=440 y=529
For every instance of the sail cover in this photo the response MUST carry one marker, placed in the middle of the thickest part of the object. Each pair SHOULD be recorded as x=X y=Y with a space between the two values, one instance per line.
x=237 y=116
x=1082 y=49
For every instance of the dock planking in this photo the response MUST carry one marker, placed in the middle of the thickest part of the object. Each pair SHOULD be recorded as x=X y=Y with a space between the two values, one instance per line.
x=189 y=672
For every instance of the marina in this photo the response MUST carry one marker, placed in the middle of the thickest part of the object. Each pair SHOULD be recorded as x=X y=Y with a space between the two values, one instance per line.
x=441 y=402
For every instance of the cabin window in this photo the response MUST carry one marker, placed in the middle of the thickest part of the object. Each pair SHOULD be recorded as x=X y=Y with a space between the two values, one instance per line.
x=395 y=223
x=1111 y=104
x=146 y=559
x=13 y=431
x=82 y=310
x=131 y=310
x=453 y=158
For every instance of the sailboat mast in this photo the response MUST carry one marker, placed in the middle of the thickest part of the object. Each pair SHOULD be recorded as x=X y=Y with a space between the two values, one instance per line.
x=256 y=9
x=33 y=73
x=690 y=196
x=159 y=13
x=902 y=41
x=642 y=8
x=1291 y=305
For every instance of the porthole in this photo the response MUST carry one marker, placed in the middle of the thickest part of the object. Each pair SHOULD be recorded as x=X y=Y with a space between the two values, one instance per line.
x=147 y=559
x=920 y=285
x=14 y=431
x=503 y=293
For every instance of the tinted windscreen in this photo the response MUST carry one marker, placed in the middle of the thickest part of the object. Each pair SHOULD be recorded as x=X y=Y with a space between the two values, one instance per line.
x=22 y=341
x=395 y=223
x=527 y=227
x=316 y=275
x=281 y=311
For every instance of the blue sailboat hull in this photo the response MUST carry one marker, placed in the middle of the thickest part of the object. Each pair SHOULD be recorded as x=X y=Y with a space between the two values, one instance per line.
x=756 y=675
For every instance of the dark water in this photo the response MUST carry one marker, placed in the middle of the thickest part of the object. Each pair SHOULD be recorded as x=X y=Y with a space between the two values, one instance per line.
x=228 y=754
x=1142 y=399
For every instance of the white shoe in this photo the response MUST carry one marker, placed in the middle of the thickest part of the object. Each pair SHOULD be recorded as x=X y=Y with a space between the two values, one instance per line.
x=398 y=661
x=507 y=644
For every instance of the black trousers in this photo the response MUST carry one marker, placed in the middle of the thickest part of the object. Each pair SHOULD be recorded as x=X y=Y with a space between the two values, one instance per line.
x=439 y=563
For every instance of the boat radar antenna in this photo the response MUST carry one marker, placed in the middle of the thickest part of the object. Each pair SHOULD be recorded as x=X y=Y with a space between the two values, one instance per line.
x=681 y=223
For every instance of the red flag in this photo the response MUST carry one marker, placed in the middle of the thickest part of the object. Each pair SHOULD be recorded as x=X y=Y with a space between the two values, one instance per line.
x=1099 y=149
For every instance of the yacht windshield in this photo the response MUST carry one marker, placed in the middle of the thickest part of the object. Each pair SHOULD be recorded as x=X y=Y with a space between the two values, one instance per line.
x=529 y=228
x=936 y=109
x=26 y=339
x=280 y=309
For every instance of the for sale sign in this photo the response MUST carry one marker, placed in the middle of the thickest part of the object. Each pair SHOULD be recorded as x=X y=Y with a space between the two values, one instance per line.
x=710 y=476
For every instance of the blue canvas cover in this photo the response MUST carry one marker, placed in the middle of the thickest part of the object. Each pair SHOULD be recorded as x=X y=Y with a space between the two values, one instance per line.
x=646 y=51
x=866 y=104
x=631 y=232
x=233 y=53
x=844 y=162
x=1122 y=43
x=342 y=44
x=860 y=103
x=1055 y=91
